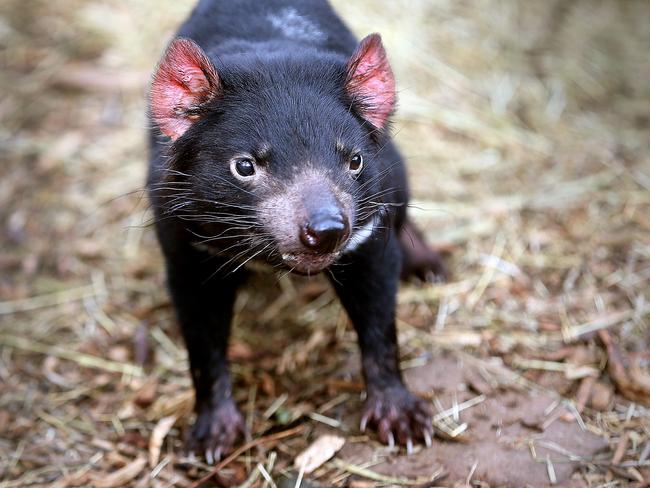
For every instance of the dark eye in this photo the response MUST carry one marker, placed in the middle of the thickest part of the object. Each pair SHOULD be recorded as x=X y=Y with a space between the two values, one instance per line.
x=356 y=163
x=242 y=167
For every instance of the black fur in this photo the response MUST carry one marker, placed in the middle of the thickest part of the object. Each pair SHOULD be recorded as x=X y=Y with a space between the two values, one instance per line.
x=285 y=98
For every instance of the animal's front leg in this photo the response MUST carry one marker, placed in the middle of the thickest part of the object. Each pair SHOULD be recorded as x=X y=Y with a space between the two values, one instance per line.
x=204 y=306
x=366 y=283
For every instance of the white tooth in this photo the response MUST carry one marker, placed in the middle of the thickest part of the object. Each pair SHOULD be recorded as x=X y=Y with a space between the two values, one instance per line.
x=409 y=446
x=208 y=457
x=391 y=441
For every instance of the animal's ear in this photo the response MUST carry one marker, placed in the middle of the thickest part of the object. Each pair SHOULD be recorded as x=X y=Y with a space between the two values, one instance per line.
x=184 y=81
x=370 y=81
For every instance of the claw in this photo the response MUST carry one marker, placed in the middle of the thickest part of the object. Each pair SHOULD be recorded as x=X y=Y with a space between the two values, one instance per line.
x=216 y=430
x=391 y=441
x=427 y=438
x=363 y=423
x=397 y=412
x=431 y=277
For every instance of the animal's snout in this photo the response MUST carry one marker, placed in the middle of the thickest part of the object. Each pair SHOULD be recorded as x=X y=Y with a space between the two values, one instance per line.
x=324 y=231
x=311 y=220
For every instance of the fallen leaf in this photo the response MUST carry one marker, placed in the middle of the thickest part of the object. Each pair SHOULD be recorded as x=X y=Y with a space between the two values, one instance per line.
x=146 y=395
x=179 y=404
x=318 y=453
x=601 y=396
x=635 y=386
x=122 y=476
x=584 y=392
x=158 y=435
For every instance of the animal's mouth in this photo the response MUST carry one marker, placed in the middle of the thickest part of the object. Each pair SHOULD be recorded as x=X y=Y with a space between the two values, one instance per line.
x=309 y=263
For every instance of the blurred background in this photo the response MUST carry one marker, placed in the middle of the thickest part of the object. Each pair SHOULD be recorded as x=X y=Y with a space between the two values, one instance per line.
x=526 y=127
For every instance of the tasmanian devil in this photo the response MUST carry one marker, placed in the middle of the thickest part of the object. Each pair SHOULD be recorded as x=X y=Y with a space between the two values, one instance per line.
x=270 y=142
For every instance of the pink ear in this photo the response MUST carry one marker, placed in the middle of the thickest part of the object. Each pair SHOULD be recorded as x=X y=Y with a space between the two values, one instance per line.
x=184 y=81
x=370 y=81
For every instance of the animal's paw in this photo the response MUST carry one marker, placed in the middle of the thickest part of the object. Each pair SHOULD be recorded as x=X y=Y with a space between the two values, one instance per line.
x=425 y=264
x=217 y=428
x=418 y=258
x=398 y=415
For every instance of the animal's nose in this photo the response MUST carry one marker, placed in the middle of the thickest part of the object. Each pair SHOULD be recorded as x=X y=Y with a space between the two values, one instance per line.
x=324 y=232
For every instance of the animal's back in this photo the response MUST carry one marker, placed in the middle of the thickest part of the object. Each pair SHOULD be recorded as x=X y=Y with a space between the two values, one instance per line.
x=218 y=23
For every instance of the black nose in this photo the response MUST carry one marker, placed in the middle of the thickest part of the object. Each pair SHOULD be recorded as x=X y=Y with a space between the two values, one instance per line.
x=324 y=232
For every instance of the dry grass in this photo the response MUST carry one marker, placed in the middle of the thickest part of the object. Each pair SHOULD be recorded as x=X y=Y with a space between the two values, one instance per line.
x=527 y=131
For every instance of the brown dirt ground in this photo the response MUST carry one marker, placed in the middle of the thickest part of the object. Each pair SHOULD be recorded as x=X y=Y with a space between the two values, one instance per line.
x=527 y=130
